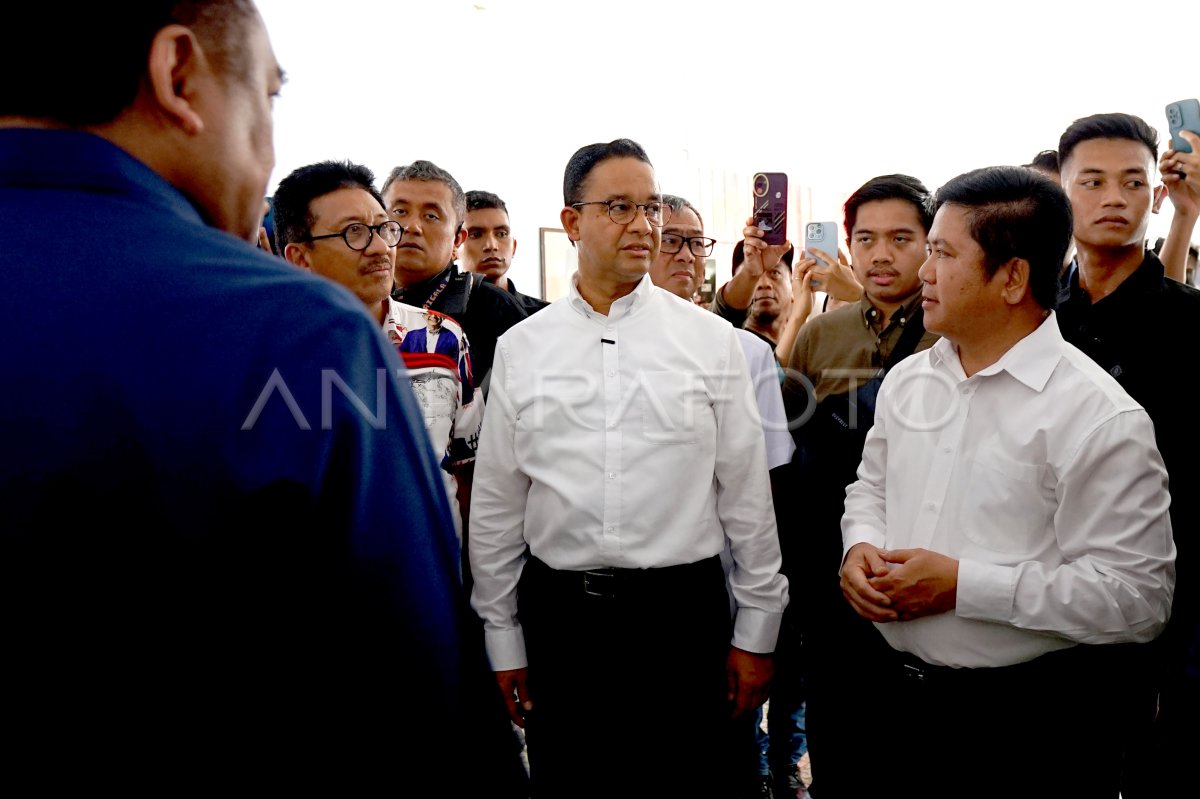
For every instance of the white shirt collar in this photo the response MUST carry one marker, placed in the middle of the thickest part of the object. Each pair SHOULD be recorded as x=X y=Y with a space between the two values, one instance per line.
x=1031 y=360
x=625 y=306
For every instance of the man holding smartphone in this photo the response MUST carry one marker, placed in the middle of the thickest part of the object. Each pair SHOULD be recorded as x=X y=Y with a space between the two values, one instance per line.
x=1121 y=309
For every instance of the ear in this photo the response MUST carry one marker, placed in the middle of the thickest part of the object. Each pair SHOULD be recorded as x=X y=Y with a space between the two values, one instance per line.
x=514 y=252
x=460 y=236
x=297 y=255
x=1160 y=194
x=176 y=69
x=1016 y=284
x=570 y=221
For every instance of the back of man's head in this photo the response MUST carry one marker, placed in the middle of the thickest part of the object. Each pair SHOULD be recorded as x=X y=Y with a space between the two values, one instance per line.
x=1106 y=126
x=585 y=160
x=296 y=192
x=427 y=170
x=83 y=65
x=1015 y=212
x=889 y=187
x=1045 y=161
x=482 y=200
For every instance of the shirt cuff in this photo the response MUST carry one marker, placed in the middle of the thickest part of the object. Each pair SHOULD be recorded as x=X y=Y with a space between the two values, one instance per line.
x=505 y=648
x=756 y=630
x=985 y=591
x=861 y=533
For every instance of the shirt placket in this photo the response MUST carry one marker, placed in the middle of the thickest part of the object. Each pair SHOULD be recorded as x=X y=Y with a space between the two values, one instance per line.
x=941 y=468
x=610 y=534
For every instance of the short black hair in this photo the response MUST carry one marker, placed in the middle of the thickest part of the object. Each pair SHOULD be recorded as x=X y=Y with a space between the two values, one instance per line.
x=1107 y=126
x=1015 y=212
x=1045 y=160
x=427 y=170
x=478 y=200
x=294 y=196
x=888 y=187
x=586 y=158
x=85 y=66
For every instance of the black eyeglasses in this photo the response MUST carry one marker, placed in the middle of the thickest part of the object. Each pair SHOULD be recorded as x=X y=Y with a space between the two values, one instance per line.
x=622 y=211
x=358 y=236
x=698 y=245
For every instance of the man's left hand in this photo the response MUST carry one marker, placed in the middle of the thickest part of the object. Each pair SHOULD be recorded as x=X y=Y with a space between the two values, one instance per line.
x=919 y=582
x=749 y=679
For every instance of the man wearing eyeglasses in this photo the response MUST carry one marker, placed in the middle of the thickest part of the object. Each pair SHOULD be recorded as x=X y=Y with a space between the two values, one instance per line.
x=679 y=268
x=619 y=455
x=431 y=207
x=330 y=220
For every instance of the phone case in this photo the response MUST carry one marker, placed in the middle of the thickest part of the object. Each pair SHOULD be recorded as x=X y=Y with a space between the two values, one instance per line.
x=770 y=206
x=822 y=236
x=1183 y=115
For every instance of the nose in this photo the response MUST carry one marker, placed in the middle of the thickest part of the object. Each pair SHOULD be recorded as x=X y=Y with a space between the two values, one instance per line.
x=490 y=244
x=926 y=272
x=377 y=246
x=640 y=221
x=685 y=255
x=881 y=254
x=1114 y=195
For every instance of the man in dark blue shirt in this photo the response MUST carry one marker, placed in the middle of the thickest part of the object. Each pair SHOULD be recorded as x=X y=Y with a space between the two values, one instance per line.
x=224 y=545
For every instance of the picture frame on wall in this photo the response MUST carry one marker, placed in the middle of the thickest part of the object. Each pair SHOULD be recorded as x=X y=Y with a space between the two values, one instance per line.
x=558 y=262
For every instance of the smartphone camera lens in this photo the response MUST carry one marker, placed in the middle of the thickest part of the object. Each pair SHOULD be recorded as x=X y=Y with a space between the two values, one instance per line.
x=761 y=185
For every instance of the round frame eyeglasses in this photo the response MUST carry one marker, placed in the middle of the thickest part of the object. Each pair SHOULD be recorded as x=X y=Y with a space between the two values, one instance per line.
x=358 y=235
x=622 y=212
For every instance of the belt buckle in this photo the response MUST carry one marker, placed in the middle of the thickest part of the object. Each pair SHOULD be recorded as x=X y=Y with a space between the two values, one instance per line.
x=600 y=584
x=914 y=672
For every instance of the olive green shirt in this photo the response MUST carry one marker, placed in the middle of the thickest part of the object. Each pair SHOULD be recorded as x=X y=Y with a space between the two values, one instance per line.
x=848 y=339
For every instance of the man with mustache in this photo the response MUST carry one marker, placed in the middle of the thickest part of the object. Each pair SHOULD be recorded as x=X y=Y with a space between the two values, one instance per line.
x=1008 y=532
x=489 y=246
x=833 y=354
x=430 y=205
x=1121 y=309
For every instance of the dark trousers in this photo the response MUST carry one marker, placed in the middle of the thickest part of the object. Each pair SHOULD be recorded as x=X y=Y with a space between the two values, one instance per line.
x=845 y=657
x=1044 y=728
x=627 y=677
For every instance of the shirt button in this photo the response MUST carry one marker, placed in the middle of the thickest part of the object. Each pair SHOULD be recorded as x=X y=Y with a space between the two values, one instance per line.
x=930 y=506
x=612 y=475
x=947 y=450
x=612 y=373
x=612 y=529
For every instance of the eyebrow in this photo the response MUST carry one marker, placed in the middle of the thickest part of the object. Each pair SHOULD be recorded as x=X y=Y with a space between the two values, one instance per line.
x=485 y=227
x=357 y=218
x=859 y=230
x=1133 y=170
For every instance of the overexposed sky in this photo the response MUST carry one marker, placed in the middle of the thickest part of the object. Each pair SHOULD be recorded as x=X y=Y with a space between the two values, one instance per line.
x=502 y=92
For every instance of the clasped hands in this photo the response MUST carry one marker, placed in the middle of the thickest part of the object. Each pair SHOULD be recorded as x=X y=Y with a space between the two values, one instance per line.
x=900 y=584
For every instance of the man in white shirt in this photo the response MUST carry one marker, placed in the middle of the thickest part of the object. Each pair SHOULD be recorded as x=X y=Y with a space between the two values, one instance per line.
x=1010 y=514
x=619 y=454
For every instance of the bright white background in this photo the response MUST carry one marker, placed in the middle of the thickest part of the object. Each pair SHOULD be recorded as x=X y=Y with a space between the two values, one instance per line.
x=501 y=92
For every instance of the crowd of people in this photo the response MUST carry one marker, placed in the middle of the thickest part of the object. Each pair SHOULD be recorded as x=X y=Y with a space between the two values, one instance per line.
x=348 y=506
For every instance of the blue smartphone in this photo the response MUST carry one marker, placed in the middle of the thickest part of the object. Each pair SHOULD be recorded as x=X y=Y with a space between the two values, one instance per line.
x=1183 y=115
x=821 y=236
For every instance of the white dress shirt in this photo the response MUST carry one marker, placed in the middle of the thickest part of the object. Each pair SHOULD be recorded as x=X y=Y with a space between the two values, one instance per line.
x=1041 y=475
x=768 y=393
x=628 y=440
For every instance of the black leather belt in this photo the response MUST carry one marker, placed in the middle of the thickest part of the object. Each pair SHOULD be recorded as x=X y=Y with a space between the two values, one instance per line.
x=611 y=582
